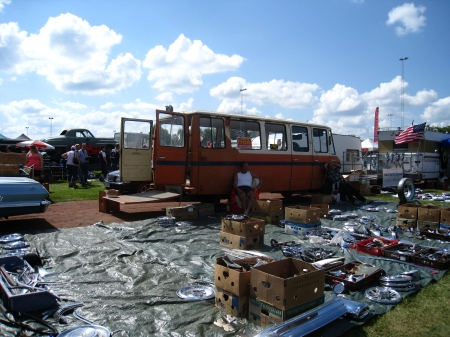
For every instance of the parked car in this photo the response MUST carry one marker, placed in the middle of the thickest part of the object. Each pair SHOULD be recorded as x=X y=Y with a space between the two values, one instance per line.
x=112 y=181
x=21 y=195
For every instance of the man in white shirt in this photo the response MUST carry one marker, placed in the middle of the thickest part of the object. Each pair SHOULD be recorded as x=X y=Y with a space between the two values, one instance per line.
x=243 y=186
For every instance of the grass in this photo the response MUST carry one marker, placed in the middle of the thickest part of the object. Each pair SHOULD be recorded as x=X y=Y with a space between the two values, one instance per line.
x=422 y=314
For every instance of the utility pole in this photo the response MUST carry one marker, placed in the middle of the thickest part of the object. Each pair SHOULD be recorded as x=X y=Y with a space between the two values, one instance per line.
x=242 y=97
x=402 y=100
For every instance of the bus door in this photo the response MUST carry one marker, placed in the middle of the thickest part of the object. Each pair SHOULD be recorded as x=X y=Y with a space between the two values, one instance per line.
x=321 y=143
x=301 y=159
x=136 y=150
x=212 y=164
x=171 y=151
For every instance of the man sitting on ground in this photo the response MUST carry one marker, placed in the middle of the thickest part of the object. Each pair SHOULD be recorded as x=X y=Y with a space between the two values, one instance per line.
x=332 y=173
x=243 y=186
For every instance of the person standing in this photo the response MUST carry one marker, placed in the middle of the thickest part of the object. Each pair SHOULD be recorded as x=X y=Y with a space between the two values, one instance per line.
x=103 y=163
x=243 y=185
x=115 y=157
x=35 y=159
x=72 y=166
x=83 y=172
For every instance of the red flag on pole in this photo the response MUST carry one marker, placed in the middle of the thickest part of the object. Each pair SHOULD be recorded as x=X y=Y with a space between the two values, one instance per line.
x=375 y=127
x=413 y=132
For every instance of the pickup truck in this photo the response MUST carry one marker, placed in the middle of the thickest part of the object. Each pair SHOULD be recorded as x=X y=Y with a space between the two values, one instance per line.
x=69 y=137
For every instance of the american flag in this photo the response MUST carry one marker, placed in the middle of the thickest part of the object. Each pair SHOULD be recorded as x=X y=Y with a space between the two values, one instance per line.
x=413 y=132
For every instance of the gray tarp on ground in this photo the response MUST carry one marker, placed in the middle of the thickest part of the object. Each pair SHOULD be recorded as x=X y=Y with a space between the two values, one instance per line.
x=127 y=274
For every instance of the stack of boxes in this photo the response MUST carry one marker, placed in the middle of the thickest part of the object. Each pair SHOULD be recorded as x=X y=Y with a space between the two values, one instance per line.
x=445 y=219
x=301 y=219
x=233 y=285
x=407 y=216
x=428 y=218
x=283 y=289
x=242 y=234
x=270 y=210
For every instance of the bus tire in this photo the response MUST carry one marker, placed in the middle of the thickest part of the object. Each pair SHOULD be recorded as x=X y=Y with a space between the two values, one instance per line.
x=406 y=190
x=444 y=158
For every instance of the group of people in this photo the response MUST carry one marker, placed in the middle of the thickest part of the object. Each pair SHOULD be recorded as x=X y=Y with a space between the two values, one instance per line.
x=77 y=163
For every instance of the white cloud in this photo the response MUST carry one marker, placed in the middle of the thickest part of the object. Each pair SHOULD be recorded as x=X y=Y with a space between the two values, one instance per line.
x=186 y=105
x=292 y=95
x=165 y=97
x=3 y=3
x=408 y=17
x=71 y=54
x=437 y=113
x=339 y=101
x=1 y=81
x=73 y=105
x=180 y=68
x=108 y=106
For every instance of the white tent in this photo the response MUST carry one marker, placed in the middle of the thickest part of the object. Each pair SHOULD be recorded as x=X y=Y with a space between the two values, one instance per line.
x=369 y=145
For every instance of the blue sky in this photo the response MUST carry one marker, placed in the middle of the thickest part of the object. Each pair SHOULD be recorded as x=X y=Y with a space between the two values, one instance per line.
x=88 y=63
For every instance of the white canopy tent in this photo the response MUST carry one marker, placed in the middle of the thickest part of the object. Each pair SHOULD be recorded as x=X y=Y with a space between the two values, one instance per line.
x=369 y=145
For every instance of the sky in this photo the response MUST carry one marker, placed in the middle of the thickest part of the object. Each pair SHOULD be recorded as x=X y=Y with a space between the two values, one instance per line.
x=85 y=64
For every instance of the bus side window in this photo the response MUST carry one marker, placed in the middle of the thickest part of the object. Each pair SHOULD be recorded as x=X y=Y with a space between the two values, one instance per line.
x=300 y=141
x=276 y=137
x=212 y=131
x=320 y=140
x=245 y=135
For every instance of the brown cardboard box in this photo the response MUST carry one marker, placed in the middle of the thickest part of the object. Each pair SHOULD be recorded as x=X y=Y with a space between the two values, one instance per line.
x=285 y=285
x=13 y=158
x=264 y=314
x=324 y=208
x=354 y=175
x=9 y=169
x=188 y=212
x=267 y=206
x=241 y=242
x=231 y=303
x=302 y=214
x=205 y=209
x=445 y=215
x=408 y=211
x=248 y=227
x=428 y=213
x=321 y=199
x=365 y=190
x=233 y=280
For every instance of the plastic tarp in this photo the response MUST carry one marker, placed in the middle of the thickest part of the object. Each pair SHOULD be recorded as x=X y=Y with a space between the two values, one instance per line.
x=127 y=274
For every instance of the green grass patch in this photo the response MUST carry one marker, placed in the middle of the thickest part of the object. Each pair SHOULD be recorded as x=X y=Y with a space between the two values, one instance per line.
x=61 y=192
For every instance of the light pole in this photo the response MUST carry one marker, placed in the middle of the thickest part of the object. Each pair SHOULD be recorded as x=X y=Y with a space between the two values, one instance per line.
x=51 y=121
x=390 y=123
x=27 y=127
x=242 y=97
x=402 y=100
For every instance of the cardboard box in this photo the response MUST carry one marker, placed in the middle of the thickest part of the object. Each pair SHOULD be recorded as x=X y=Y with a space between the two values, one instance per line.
x=284 y=283
x=406 y=223
x=13 y=158
x=188 y=212
x=365 y=190
x=324 y=208
x=264 y=314
x=249 y=227
x=231 y=303
x=205 y=209
x=428 y=225
x=241 y=242
x=267 y=206
x=444 y=215
x=321 y=199
x=408 y=211
x=302 y=214
x=428 y=213
x=296 y=228
x=354 y=175
x=236 y=281
x=270 y=218
x=9 y=169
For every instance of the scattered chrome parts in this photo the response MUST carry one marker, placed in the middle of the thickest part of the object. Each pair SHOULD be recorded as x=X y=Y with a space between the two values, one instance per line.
x=237 y=217
x=11 y=238
x=86 y=331
x=329 y=263
x=334 y=212
x=78 y=316
x=313 y=320
x=184 y=223
x=196 y=292
x=15 y=245
x=383 y=295
x=166 y=221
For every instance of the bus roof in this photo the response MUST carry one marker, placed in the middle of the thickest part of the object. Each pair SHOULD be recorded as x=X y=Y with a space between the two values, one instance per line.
x=248 y=117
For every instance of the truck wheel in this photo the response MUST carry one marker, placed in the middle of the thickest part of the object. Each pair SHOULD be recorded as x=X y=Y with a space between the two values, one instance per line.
x=144 y=187
x=405 y=190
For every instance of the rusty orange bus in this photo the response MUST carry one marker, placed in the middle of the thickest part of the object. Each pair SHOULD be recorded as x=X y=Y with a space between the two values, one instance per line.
x=198 y=152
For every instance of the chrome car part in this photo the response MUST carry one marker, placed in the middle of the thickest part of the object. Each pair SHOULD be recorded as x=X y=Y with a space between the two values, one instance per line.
x=313 y=320
x=15 y=245
x=11 y=238
x=195 y=292
x=383 y=295
x=86 y=331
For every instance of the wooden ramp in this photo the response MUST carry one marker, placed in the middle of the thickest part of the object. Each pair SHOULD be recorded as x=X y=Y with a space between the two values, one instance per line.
x=109 y=203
